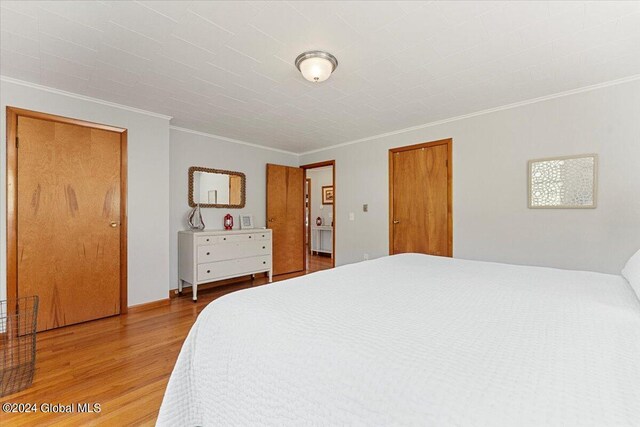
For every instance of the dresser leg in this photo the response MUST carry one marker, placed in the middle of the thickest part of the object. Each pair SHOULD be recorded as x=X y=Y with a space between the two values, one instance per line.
x=194 y=287
x=180 y=286
x=270 y=275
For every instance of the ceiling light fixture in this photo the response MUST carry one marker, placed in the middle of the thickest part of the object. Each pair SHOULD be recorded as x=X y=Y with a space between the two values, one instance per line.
x=316 y=65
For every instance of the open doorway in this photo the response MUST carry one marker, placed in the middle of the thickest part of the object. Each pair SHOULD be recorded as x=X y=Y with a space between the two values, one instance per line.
x=319 y=215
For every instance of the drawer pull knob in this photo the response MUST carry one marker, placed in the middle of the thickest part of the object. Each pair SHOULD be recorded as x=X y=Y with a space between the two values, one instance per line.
x=264 y=247
x=249 y=236
x=208 y=253
x=207 y=240
x=224 y=238
x=264 y=262
x=208 y=271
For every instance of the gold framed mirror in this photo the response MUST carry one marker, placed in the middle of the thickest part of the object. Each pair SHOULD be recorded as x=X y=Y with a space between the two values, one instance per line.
x=216 y=188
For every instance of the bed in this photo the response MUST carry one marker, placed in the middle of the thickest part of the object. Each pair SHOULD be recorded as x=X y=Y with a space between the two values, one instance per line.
x=415 y=340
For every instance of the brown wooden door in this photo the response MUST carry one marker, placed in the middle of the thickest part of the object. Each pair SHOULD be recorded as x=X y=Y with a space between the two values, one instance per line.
x=420 y=199
x=68 y=219
x=285 y=217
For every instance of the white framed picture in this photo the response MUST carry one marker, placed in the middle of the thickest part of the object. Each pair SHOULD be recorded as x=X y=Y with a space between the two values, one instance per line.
x=246 y=222
x=568 y=182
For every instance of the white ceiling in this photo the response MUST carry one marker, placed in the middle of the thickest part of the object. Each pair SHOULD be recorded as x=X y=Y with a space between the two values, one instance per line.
x=227 y=67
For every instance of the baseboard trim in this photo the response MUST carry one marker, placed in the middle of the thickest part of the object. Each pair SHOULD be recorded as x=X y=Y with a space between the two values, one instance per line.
x=173 y=293
x=149 y=305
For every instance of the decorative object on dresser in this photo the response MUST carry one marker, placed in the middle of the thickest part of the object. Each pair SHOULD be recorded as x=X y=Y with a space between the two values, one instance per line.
x=212 y=255
x=216 y=188
x=327 y=194
x=195 y=218
x=228 y=222
x=567 y=182
x=246 y=222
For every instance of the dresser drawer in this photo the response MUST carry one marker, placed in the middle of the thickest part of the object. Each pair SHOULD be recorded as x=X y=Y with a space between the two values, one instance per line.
x=265 y=235
x=235 y=267
x=248 y=237
x=231 y=250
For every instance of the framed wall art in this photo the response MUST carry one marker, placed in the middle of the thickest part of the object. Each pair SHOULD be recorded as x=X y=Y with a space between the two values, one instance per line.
x=568 y=182
x=327 y=194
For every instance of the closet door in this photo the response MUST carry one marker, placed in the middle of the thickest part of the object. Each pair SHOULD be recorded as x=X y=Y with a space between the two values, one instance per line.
x=285 y=217
x=420 y=199
x=68 y=220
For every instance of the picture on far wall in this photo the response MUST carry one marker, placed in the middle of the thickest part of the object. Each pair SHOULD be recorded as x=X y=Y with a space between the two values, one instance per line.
x=327 y=194
x=568 y=182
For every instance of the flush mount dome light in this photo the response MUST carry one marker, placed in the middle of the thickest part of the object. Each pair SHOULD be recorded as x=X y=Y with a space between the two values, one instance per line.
x=316 y=65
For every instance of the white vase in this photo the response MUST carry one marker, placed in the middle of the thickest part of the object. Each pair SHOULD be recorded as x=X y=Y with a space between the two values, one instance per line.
x=195 y=218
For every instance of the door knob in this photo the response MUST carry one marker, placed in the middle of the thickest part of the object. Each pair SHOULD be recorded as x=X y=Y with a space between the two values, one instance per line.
x=113 y=224
x=272 y=219
x=395 y=221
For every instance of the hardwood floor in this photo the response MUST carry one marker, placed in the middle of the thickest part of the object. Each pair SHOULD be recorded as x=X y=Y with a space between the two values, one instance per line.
x=122 y=362
x=318 y=262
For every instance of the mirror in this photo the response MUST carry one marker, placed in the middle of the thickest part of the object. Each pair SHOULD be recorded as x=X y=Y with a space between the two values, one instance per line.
x=215 y=188
x=563 y=182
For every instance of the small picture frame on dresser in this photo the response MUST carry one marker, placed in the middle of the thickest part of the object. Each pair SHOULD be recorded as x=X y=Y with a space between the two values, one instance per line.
x=246 y=222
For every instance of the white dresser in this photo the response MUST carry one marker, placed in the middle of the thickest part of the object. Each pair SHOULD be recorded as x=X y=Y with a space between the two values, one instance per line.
x=210 y=255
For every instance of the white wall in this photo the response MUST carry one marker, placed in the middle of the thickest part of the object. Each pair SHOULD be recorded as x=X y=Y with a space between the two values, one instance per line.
x=491 y=220
x=194 y=149
x=148 y=182
x=490 y=153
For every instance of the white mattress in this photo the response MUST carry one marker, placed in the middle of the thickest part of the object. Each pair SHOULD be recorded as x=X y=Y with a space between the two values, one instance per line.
x=415 y=340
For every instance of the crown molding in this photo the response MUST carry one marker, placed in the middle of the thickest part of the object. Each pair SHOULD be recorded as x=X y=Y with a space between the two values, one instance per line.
x=482 y=112
x=234 y=141
x=82 y=97
x=343 y=144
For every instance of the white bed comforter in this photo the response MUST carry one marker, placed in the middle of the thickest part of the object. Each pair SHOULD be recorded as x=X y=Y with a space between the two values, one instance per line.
x=415 y=340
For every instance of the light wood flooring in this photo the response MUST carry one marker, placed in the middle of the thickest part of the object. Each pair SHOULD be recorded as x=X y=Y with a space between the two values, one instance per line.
x=121 y=362
x=318 y=262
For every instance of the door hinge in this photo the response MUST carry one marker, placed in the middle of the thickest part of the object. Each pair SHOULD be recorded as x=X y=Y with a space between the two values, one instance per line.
x=446 y=163
x=17 y=143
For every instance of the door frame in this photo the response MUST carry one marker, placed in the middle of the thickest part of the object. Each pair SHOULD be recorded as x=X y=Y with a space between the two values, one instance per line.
x=449 y=143
x=333 y=206
x=307 y=189
x=12 y=194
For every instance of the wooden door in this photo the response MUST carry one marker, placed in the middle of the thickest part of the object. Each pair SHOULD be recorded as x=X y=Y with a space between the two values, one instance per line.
x=285 y=217
x=420 y=199
x=68 y=220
